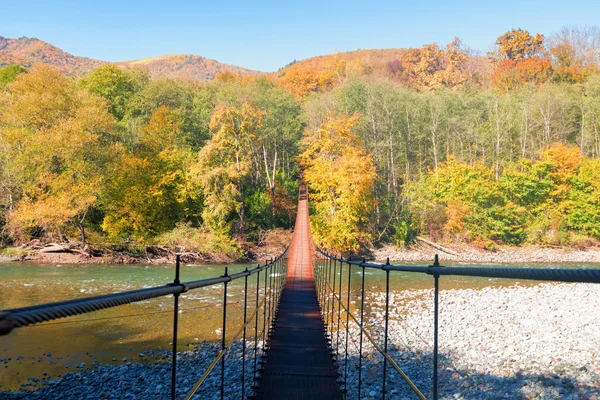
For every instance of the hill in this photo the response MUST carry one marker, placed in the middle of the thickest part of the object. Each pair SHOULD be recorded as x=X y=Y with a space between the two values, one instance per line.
x=186 y=66
x=373 y=59
x=28 y=51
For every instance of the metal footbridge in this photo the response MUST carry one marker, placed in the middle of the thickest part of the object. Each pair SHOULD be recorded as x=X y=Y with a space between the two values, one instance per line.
x=299 y=323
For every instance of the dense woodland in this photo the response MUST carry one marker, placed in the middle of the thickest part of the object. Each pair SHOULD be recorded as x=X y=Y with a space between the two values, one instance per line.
x=486 y=150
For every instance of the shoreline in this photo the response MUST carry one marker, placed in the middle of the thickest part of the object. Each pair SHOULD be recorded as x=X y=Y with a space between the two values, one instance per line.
x=417 y=253
x=503 y=255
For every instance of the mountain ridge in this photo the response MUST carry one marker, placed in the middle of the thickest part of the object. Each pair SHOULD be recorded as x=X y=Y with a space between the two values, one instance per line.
x=27 y=51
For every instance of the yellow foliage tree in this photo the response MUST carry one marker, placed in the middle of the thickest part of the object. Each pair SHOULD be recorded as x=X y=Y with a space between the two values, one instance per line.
x=150 y=192
x=341 y=176
x=53 y=148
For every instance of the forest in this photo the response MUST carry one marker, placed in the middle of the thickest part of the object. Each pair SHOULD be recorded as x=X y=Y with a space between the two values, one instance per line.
x=501 y=149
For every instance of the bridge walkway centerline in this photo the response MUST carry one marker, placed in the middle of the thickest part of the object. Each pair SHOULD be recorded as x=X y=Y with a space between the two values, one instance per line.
x=298 y=363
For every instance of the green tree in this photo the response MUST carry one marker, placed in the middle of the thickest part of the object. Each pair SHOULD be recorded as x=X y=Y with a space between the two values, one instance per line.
x=115 y=84
x=224 y=166
x=10 y=73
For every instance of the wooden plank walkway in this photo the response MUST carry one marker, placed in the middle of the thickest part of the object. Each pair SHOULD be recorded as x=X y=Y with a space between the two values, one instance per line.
x=298 y=364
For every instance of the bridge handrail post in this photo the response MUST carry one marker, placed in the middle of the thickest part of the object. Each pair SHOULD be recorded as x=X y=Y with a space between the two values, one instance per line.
x=333 y=299
x=256 y=328
x=274 y=292
x=362 y=319
x=273 y=296
x=175 y=327
x=244 y=335
x=262 y=354
x=339 y=314
x=347 y=327
x=387 y=318
x=436 y=290
x=269 y=300
x=223 y=334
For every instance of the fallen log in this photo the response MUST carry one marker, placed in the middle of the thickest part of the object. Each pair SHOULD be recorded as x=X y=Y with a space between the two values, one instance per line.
x=437 y=246
x=56 y=248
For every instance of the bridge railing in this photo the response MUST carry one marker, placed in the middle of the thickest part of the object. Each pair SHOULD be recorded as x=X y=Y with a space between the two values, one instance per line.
x=336 y=311
x=265 y=302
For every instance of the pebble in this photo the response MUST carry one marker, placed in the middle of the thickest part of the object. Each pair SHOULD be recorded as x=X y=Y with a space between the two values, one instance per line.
x=512 y=342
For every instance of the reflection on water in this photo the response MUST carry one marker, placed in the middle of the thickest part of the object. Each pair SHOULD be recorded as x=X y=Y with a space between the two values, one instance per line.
x=122 y=334
x=110 y=335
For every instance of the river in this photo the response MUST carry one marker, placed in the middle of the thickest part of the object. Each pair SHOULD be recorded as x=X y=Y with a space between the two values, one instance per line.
x=123 y=334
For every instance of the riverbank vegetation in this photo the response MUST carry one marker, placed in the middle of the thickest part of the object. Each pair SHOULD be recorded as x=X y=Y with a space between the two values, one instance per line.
x=485 y=150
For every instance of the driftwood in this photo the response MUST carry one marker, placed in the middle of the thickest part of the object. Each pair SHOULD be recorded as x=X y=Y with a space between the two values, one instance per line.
x=64 y=248
x=437 y=246
x=55 y=248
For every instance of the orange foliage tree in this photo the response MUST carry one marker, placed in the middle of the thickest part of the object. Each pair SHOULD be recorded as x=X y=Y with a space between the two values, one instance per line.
x=522 y=60
x=517 y=44
x=431 y=67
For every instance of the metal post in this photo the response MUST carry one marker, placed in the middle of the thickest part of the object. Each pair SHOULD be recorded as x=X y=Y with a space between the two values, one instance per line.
x=333 y=299
x=256 y=321
x=269 y=298
x=175 y=326
x=362 y=316
x=436 y=280
x=328 y=294
x=387 y=318
x=244 y=335
x=347 y=326
x=264 y=311
x=339 y=314
x=223 y=334
x=273 y=297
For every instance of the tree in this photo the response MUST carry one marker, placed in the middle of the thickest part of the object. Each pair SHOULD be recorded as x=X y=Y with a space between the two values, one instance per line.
x=116 y=85
x=10 y=73
x=224 y=165
x=54 y=140
x=517 y=44
x=340 y=177
x=149 y=192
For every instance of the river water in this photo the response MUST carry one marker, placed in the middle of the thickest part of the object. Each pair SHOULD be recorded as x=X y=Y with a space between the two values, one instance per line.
x=124 y=333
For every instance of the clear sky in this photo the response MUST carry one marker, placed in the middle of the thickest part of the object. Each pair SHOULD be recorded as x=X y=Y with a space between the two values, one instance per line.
x=266 y=35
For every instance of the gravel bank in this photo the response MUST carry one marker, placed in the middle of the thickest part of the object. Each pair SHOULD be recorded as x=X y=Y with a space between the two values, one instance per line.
x=495 y=343
x=502 y=255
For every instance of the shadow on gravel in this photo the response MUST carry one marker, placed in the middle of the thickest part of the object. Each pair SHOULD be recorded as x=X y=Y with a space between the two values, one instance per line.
x=455 y=383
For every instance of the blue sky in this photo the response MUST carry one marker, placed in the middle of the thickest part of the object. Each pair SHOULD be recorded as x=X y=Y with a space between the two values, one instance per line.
x=266 y=35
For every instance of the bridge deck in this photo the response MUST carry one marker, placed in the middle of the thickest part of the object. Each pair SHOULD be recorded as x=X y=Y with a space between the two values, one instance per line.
x=298 y=365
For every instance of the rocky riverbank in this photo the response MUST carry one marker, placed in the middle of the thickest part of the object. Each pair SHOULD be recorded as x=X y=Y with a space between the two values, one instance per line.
x=526 y=254
x=539 y=342
x=270 y=244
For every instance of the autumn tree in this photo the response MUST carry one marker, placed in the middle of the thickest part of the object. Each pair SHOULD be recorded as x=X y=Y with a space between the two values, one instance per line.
x=521 y=60
x=225 y=164
x=150 y=192
x=301 y=80
x=54 y=139
x=340 y=175
x=518 y=44
x=431 y=67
